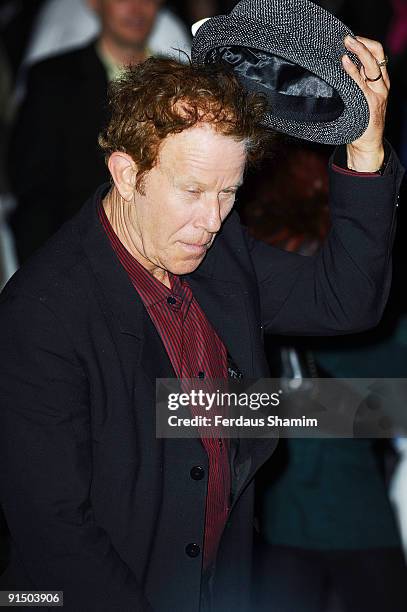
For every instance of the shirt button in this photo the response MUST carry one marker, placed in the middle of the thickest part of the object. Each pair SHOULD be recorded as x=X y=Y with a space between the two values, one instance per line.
x=197 y=472
x=201 y=375
x=193 y=550
x=171 y=300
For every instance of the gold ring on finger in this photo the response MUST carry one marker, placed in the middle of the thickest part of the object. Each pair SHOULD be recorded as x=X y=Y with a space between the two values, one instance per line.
x=383 y=62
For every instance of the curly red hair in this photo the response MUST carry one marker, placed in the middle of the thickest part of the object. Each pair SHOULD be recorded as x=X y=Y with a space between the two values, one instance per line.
x=162 y=96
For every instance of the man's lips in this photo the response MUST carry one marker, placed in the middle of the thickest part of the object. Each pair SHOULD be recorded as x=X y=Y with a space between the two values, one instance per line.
x=196 y=247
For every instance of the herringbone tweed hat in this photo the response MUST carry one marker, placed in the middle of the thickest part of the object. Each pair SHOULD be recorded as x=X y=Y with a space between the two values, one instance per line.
x=291 y=51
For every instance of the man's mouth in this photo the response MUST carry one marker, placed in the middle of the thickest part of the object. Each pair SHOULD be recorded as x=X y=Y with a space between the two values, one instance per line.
x=196 y=248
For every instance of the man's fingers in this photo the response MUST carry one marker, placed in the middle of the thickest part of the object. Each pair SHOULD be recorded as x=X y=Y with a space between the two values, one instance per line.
x=376 y=48
x=369 y=63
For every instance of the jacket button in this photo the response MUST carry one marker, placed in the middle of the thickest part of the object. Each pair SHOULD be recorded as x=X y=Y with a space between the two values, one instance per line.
x=193 y=550
x=197 y=472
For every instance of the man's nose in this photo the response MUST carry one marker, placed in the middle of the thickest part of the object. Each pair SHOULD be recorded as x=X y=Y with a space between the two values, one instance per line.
x=210 y=218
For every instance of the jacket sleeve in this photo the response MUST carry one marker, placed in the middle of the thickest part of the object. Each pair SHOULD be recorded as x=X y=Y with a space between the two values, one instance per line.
x=46 y=465
x=345 y=286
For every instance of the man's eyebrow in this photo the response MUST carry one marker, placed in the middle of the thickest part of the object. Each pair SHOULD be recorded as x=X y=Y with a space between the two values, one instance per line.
x=191 y=181
x=188 y=180
x=236 y=186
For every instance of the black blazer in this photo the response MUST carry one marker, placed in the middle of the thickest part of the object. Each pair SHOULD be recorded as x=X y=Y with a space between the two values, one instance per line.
x=96 y=505
x=54 y=161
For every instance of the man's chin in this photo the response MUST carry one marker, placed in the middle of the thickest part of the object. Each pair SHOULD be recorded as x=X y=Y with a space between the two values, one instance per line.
x=186 y=266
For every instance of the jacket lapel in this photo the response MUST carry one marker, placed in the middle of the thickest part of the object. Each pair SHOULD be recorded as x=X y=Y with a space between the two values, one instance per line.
x=120 y=301
x=225 y=304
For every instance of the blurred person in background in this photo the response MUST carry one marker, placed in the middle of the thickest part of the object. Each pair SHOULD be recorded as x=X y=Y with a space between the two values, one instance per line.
x=54 y=146
x=62 y=25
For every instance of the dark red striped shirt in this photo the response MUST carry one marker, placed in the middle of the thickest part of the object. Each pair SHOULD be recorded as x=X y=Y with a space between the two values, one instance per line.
x=195 y=351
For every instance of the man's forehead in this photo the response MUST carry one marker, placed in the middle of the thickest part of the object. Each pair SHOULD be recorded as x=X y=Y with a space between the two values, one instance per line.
x=203 y=147
x=202 y=170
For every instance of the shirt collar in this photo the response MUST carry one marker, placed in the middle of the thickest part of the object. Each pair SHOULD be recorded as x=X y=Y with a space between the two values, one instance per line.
x=151 y=290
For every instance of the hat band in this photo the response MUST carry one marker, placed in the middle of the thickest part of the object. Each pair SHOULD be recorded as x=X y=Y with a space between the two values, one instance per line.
x=292 y=91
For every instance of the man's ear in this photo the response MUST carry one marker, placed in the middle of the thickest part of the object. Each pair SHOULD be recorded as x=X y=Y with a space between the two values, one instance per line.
x=124 y=174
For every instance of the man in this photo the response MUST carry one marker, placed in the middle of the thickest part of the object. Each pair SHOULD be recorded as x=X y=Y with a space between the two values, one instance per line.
x=62 y=26
x=155 y=277
x=64 y=109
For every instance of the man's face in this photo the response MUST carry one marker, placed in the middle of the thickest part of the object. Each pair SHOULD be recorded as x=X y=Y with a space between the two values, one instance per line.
x=187 y=196
x=128 y=22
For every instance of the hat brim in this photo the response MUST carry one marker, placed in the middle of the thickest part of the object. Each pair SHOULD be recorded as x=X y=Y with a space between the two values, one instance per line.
x=321 y=58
